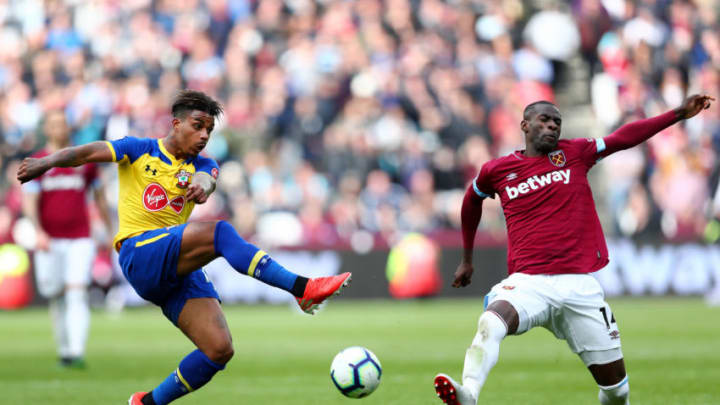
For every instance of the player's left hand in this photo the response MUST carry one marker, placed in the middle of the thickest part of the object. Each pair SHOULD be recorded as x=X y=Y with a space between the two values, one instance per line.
x=693 y=105
x=197 y=194
x=463 y=275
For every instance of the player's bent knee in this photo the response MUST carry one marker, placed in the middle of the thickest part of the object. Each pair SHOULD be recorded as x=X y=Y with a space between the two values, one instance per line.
x=491 y=330
x=221 y=352
x=491 y=325
x=618 y=394
x=506 y=313
x=209 y=227
x=222 y=226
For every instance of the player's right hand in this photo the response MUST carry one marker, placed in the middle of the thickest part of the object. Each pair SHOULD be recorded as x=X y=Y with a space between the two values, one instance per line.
x=463 y=274
x=42 y=240
x=196 y=194
x=31 y=168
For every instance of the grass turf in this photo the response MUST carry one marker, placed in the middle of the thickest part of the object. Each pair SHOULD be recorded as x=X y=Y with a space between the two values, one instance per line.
x=671 y=346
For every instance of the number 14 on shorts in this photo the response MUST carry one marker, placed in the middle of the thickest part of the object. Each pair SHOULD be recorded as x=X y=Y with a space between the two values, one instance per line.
x=610 y=323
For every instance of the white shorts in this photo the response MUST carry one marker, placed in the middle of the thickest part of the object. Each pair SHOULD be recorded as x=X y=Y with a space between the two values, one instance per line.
x=66 y=262
x=571 y=306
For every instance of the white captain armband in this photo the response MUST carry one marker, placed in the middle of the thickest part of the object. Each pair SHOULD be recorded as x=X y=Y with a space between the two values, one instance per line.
x=600 y=144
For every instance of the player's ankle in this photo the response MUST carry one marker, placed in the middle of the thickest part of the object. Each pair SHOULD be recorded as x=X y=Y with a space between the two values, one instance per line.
x=298 y=288
x=148 y=399
x=470 y=387
x=617 y=394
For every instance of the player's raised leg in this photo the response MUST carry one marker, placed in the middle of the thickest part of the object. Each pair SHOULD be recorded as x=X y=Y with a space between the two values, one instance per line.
x=204 y=241
x=499 y=320
x=203 y=322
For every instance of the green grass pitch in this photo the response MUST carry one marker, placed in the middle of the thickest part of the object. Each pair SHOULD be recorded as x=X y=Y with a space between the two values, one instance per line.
x=671 y=346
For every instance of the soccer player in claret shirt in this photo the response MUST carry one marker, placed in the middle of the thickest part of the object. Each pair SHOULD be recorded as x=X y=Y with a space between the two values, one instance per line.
x=55 y=202
x=161 y=255
x=554 y=242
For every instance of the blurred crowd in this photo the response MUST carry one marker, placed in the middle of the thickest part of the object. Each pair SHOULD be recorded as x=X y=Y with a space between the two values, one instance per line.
x=350 y=123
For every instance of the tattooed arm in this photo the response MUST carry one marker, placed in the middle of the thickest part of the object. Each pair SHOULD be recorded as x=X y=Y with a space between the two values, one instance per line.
x=73 y=156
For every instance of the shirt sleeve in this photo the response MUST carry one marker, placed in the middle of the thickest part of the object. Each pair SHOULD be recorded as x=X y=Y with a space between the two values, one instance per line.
x=482 y=183
x=208 y=166
x=128 y=148
x=590 y=149
x=637 y=132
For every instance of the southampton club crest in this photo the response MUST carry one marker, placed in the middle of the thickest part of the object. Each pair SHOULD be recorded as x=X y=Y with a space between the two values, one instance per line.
x=183 y=177
x=557 y=158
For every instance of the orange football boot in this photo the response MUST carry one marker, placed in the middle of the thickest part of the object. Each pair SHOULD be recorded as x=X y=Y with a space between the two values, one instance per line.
x=321 y=288
x=136 y=398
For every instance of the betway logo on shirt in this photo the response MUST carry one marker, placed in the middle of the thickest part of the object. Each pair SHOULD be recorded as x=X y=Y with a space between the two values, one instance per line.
x=536 y=182
x=62 y=182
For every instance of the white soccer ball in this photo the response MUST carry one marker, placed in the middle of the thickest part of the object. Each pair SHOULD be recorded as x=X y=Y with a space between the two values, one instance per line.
x=356 y=372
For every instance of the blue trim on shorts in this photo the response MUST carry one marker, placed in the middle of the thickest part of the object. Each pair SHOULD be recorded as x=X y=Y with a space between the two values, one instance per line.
x=151 y=269
x=486 y=300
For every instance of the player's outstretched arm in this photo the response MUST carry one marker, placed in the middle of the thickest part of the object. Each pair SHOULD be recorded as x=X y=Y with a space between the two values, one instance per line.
x=97 y=151
x=470 y=214
x=202 y=186
x=637 y=132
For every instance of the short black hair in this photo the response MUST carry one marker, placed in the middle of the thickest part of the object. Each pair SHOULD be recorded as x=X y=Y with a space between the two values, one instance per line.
x=190 y=100
x=530 y=108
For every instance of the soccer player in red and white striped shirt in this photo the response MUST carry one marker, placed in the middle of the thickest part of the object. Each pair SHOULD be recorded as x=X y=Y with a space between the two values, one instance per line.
x=56 y=203
x=554 y=241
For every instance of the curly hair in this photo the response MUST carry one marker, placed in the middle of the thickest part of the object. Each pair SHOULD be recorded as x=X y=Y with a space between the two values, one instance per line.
x=190 y=100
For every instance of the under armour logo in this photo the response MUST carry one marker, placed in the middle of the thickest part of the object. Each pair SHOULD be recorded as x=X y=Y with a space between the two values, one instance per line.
x=148 y=169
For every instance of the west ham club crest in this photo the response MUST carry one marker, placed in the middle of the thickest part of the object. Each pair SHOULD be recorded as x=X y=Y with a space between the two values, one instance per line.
x=183 y=177
x=557 y=158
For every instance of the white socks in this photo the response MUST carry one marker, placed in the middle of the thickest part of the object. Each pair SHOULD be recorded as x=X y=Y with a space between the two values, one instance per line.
x=483 y=353
x=71 y=320
x=618 y=394
x=57 y=314
x=77 y=320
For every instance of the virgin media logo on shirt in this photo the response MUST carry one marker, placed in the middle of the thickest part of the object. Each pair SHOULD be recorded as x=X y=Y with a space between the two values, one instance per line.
x=536 y=182
x=177 y=203
x=154 y=197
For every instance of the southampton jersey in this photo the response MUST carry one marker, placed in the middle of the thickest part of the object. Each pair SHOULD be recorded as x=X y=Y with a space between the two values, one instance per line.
x=549 y=209
x=152 y=185
x=62 y=199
